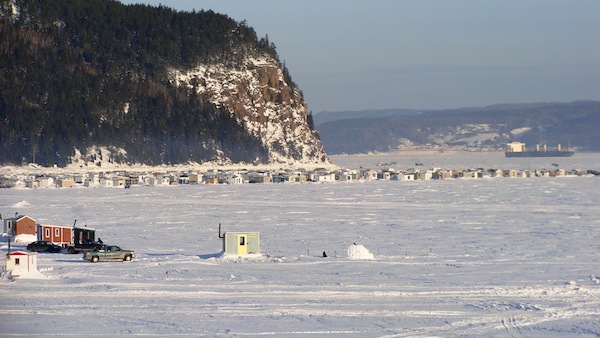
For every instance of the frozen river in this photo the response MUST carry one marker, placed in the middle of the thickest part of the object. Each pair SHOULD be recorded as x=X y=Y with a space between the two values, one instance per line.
x=466 y=160
x=454 y=258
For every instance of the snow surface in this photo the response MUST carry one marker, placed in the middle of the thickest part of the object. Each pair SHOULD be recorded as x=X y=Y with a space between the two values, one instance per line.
x=520 y=131
x=24 y=238
x=470 y=258
x=33 y=274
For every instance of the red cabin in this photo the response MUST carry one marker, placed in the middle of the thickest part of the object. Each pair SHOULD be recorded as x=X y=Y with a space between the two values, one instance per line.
x=19 y=225
x=57 y=234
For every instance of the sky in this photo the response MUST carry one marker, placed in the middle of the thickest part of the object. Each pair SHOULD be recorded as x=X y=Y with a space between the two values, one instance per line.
x=348 y=55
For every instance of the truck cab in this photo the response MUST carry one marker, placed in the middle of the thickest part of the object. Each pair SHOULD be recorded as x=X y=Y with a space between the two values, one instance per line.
x=84 y=239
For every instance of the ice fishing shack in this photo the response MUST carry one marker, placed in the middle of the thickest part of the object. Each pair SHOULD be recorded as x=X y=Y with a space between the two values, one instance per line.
x=21 y=263
x=240 y=243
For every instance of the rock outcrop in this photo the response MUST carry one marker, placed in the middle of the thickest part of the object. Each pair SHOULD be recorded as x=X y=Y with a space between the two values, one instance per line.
x=260 y=99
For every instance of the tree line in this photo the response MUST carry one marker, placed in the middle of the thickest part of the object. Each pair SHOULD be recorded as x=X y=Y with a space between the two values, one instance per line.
x=79 y=73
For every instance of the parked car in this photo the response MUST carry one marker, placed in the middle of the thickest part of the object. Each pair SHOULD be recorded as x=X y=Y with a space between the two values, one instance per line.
x=43 y=246
x=108 y=252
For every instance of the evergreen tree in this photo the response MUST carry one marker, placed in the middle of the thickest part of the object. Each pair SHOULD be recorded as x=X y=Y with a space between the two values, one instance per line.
x=79 y=73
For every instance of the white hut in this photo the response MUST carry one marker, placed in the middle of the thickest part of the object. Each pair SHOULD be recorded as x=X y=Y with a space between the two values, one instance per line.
x=21 y=264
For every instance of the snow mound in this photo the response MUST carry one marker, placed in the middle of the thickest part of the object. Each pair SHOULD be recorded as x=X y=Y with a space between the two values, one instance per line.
x=23 y=275
x=22 y=204
x=25 y=238
x=358 y=252
x=520 y=131
x=225 y=257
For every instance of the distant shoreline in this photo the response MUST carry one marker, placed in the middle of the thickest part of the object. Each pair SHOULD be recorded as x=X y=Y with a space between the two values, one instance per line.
x=417 y=151
x=203 y=167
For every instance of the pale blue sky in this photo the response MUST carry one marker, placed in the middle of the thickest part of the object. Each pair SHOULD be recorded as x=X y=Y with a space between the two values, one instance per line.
x=427 y=54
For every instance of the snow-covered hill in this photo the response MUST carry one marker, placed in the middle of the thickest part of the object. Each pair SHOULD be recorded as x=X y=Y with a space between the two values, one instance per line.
x=101 y=83
x=573 y=124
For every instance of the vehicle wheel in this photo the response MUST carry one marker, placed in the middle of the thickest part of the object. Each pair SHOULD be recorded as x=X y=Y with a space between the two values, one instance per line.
x=127 y=258
x=95 y=259
x=70 y=250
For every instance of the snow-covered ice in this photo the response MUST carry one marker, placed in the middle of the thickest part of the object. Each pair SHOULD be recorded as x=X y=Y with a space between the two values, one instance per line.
x=501 y=257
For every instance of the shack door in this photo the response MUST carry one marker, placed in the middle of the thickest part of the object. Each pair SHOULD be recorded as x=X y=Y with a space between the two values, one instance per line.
x=242 y=244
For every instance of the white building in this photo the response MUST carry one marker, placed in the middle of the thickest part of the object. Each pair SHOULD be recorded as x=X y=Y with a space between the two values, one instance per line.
x=234 y=178
x=105 y=182
x=369 y=174
x=21 y=263
x=516 y=147
x=322 y=176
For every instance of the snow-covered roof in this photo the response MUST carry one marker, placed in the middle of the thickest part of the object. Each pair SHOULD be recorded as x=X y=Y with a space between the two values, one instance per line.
x=21 y=253
x=23 y=217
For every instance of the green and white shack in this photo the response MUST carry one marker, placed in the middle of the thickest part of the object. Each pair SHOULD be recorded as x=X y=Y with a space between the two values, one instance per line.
x=240 y=243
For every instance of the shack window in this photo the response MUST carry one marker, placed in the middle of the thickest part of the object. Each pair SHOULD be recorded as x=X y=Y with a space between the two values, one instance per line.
x=17 y=261
x=57 y=232
x=242 y=240
x=47 y=233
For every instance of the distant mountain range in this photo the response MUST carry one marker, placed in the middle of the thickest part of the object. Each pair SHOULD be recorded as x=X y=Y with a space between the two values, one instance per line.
x=575 y=124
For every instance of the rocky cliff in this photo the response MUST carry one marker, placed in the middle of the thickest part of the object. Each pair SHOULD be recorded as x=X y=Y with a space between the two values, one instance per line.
x=258 y=96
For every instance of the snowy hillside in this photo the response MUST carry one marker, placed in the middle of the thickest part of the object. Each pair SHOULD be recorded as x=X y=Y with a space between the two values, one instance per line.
x=469 y=258
x=258 y=95
x=100 y=83
x=573 y=124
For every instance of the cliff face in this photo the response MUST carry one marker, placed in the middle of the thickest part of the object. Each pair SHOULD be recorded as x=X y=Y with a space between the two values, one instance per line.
x=97 y=81
x=258 y=96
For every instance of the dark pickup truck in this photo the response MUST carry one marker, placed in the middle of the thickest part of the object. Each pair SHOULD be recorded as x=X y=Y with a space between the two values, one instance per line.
x=84 y=239
x=79 y=247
